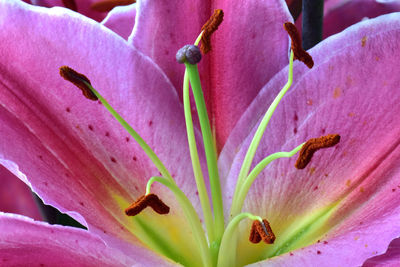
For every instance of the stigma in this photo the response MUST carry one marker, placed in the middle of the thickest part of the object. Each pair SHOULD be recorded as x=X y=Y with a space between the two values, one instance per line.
x=189 y=53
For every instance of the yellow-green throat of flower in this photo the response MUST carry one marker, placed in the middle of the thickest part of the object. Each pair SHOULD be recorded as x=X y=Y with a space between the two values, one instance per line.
x=217 y=243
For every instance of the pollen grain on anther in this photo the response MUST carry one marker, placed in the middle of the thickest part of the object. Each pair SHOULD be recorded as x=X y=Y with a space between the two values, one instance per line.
x=312 y=145
x=299 y=52
x=261 y=231
x=107 y=5
x=150 y=200
x=79 y=80
x=209 y=28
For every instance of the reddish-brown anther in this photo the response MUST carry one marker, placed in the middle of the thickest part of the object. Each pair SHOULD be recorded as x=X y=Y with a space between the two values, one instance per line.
x=209 y=28
x=261 y=231
x=79 y=80
x=298 y=51
x=107 y=5
x=150 y=200
x=254 y=235
x=70 y=4
x=312 y=145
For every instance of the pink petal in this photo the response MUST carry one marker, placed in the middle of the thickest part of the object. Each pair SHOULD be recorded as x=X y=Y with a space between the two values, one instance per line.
x=16 y=197
x=248 y=49
x=121 y=20
x=390 y=259
x=24 y=242
x=83 y=7
x=351 y=91
x=344 y=14
x=71 y=150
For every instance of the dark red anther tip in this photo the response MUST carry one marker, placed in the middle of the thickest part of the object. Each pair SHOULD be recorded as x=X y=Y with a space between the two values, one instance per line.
x=312 y=145
x=209 y=28
x=79 y=80
x=298 y=51
x=261 y=231
x=145 y=201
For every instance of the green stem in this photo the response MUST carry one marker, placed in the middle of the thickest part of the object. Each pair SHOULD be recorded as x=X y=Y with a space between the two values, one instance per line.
x=191 y=216
x=227 y=252
x=237 y=206
x=146 y=148
x=198 y=174
x=209 y=147
x=259 y=133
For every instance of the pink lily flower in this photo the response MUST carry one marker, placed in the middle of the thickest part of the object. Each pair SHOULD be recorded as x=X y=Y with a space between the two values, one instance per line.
x=342 y=209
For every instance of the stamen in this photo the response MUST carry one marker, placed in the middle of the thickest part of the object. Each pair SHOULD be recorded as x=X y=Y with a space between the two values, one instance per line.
x=254 y=235
x=188 y=53
x=209 y=28
x=79 y=80
x=261 y=231
x=299 y=52
x=313 y=145
x=70 y=4
x=107 y=5
x=143 y=202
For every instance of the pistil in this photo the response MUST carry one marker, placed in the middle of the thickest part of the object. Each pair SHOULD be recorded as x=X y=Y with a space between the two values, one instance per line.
x=209 y=145
x=198 y=173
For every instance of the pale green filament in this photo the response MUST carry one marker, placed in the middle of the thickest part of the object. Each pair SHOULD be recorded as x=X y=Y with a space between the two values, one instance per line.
x=146 y=148
x=198 y=38
x=198 y=174
x=209 y=147
x=238 y=204
x=227 y=252
x=258 y=135
x=191 y=216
